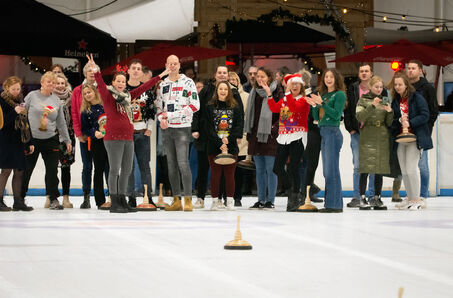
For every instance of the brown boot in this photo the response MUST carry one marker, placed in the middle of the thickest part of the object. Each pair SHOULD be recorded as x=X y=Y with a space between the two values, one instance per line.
x=175 y=205
x=47 y=203
x=188 y=204
x=66 y=202
x=395 y=191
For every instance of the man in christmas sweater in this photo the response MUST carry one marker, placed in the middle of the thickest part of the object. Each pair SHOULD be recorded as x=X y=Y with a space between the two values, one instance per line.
x=176 y=103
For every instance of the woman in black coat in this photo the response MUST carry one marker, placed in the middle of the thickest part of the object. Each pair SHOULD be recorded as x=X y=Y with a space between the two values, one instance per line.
x=14 y=141
x=411 y=112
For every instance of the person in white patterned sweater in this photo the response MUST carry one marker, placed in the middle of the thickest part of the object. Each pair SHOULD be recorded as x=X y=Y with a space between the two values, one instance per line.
x=176 y=103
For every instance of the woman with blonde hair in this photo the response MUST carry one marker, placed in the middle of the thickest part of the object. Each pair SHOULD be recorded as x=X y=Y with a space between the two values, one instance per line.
x=46 y=116
x=15 y=139
x=93 y=120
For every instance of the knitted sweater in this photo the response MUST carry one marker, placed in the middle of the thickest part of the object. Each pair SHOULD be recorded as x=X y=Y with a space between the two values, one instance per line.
x=92 y=120
x=223 y=121
x=41 y=106
x=293 y=114
x=118 y=126
x=179 y=99
x=333 y=105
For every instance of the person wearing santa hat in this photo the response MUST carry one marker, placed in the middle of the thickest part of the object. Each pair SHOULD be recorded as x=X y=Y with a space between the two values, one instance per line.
x=292 y=135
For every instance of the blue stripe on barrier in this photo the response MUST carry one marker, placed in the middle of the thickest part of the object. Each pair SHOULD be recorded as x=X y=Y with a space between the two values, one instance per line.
x=447 y=192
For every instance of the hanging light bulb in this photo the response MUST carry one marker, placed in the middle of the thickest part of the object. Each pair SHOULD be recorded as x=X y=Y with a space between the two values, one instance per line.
x=384 y=18
x=345 y=10
x=437 y=29
x=403 y=17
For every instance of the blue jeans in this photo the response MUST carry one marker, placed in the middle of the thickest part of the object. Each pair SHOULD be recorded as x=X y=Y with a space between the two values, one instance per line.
x=193 y=163
x=331 y=143
x=424 y=174
x=266 y=180
x=355 y=139
x=142 y=153
x=87 y=167
x=137 y=176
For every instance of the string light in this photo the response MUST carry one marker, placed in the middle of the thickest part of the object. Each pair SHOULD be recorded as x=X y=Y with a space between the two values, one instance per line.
x=345 y=10
x=437 y=29
x=403 y=17
x=384 y=18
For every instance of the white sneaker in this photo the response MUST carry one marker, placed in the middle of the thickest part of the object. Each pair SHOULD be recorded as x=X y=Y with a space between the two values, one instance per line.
x=199 y=204
x=423 y=203
x=230 y=204
x=217 y=205
x=415 y=204
x=403 y=205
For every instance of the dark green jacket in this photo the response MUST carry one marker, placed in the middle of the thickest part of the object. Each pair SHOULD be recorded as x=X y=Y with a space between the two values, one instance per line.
x=374 y=147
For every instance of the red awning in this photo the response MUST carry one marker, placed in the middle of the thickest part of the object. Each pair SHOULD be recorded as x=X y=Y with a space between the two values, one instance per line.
x=402 y=51
x=156 y=56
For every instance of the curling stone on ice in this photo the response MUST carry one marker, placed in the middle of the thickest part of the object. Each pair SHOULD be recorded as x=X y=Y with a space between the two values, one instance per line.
x=160 y=200
x=307 y=206
x=238 y=243
x=146 y=206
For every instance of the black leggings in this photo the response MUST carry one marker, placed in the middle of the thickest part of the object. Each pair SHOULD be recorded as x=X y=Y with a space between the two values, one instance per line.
x=377 y=183
x=65 y=179
x=294 y=151
x=311 y=154
x=49 y=149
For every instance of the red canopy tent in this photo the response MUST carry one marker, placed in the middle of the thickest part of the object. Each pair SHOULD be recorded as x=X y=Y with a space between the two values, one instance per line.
x=402 y=50
x=156 y=56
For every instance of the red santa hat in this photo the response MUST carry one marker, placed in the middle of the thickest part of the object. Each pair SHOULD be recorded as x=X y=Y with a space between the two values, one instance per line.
x=296 y=78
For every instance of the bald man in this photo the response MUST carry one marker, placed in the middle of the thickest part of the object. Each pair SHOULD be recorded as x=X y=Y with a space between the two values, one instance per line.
x=176 y=103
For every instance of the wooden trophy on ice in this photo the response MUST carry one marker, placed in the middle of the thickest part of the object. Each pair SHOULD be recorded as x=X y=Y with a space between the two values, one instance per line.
x=146 y=206
x=307 y=206
x=160 y=200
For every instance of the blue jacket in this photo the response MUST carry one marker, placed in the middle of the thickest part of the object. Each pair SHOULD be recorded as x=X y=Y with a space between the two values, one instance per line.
x=418 y=119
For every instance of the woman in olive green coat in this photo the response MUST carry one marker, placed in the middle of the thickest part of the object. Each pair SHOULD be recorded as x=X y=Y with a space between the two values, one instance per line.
x=375 y=116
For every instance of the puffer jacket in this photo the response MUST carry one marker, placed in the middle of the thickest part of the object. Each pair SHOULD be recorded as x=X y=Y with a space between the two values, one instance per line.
x=374 y=147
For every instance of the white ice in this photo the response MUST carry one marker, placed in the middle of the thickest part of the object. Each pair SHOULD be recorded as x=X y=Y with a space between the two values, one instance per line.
x=92 y=253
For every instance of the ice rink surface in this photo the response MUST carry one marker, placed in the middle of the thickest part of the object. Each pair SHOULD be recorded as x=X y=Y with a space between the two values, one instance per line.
x=92 y=253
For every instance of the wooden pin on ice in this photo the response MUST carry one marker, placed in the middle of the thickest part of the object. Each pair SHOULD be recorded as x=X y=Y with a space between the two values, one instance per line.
x=238 y=243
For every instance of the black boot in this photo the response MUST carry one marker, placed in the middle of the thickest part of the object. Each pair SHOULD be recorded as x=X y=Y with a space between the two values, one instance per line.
x=19 y=205
x=116 y=207
x=132 y=202
x=3 y=206
x=123 y=202
x=314 y=189
x=293 y=202
x=86 y=202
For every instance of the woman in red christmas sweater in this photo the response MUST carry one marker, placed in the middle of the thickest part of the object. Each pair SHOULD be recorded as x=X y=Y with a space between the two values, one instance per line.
x=119 y=132
x=292 y=135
